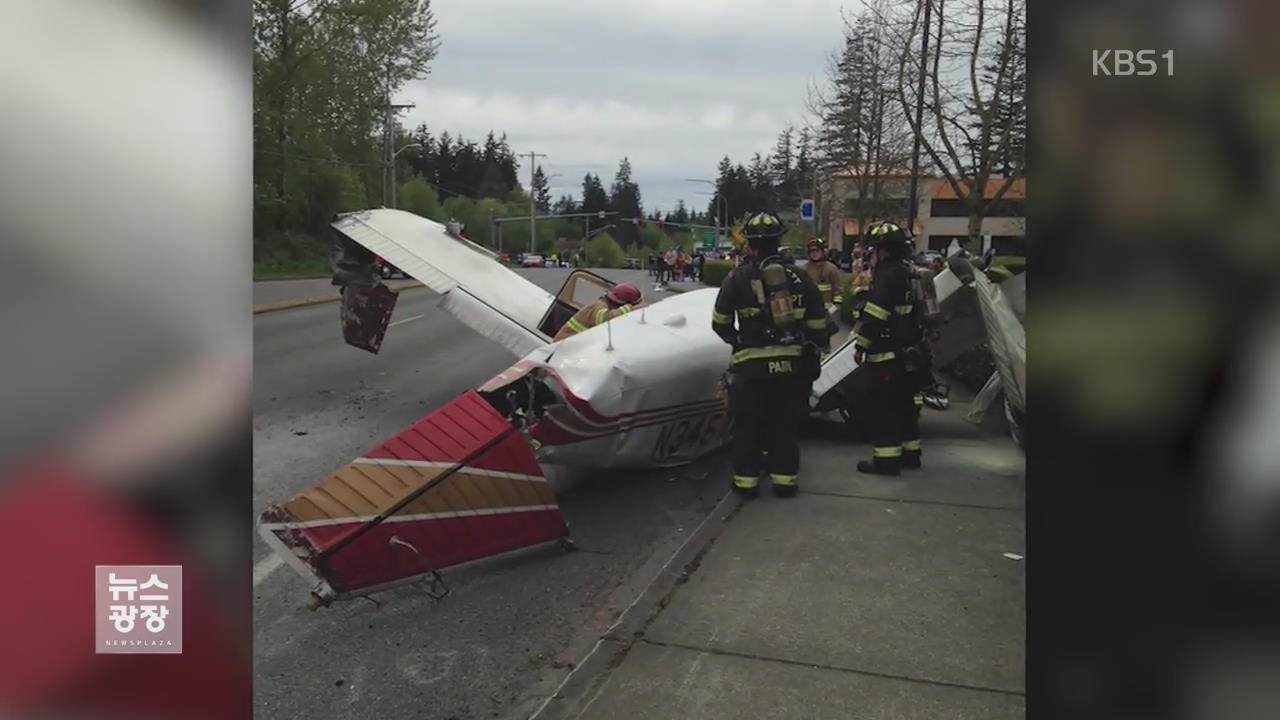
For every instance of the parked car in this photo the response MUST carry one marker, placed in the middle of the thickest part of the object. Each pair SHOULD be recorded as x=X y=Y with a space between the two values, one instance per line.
x=533 y=261
x=633 y=263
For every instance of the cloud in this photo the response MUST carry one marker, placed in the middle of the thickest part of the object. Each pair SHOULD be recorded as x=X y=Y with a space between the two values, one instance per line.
x=670 y=84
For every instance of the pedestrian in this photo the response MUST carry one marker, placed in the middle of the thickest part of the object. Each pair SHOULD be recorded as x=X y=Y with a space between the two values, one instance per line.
x=779 y=335
x=887 y=338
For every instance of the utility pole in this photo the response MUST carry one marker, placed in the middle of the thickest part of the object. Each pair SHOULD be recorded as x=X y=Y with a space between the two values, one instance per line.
x=389 y=152
x=533 y=230
x=919 y=128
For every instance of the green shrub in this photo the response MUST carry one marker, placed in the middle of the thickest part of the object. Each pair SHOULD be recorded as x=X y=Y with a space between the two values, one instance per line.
x=417 y=196
x=715 y=271
x=604 y=252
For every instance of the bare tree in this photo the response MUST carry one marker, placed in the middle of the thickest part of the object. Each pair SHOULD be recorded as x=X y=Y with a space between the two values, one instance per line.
x=973 y=123
x=862 y=138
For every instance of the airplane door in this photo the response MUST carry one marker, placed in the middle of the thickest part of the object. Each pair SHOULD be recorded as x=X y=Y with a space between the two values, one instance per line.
x=580 y=288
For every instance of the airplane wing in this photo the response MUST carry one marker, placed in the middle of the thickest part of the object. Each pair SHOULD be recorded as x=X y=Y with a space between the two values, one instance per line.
x=485 y=295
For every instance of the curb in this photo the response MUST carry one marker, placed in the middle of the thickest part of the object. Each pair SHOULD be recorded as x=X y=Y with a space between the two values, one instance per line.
x=587 y=676
x=286 y=278
x=305 y=302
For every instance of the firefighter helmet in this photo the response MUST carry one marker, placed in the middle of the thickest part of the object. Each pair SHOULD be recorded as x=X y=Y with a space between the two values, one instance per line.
x=624 y=294
x=886 y=232
x=764 y=229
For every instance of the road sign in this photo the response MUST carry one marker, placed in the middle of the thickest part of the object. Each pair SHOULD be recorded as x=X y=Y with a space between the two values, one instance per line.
x=709 y=240
x=806 y=210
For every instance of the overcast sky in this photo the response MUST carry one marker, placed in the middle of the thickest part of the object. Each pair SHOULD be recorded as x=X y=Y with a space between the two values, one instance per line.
x=673 y=84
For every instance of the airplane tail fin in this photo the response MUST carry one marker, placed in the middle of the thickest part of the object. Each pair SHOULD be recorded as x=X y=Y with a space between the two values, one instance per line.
x=460 y=485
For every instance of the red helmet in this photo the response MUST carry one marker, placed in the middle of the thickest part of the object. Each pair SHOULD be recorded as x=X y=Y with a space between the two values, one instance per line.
x=624 y=294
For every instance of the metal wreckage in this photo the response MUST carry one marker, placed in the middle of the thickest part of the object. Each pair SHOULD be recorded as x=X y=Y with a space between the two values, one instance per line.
x=470 y=482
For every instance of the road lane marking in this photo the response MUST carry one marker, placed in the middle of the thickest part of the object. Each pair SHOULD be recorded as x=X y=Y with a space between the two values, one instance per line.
x=263 y=569
x=408 y=319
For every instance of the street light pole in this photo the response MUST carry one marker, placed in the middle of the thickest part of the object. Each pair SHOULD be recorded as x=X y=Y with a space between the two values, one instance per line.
x=388 y=148
x=720 y=201
x=533 y=169
x=395 y=155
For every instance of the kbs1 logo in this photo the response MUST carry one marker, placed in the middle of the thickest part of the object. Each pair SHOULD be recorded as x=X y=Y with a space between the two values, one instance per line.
x=1127 y=63
x=138 y=608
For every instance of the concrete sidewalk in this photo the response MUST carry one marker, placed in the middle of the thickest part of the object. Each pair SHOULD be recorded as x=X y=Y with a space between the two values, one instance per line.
x=861 y=598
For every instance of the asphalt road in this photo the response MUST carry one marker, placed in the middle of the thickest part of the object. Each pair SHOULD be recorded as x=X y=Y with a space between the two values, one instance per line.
x=504 y=638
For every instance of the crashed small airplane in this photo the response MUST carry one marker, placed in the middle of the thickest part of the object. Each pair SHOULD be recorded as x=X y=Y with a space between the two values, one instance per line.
x=467 y=482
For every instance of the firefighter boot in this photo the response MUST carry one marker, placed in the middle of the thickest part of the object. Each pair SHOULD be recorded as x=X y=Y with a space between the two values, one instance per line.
x=886 y=461
x=784 y=486
x=746 y=486
x=911 y=454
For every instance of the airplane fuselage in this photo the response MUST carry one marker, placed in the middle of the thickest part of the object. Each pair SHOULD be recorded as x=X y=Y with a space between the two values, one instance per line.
x=644 y=390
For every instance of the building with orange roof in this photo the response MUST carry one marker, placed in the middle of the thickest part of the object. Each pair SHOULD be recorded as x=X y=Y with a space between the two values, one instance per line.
x=941 y=216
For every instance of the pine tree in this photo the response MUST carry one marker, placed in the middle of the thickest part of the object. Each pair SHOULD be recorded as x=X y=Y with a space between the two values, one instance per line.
x=864 y=136
x=446 y=172
x=423 y=163
x=1007 y=141
x=781 y=169
x=624 y=196
x=541 y=193
x=470 y=169
x=594 y=197
x=566 y=205
x=763 y=197
x=804 y=162
x=507 y=161
x=681 y=214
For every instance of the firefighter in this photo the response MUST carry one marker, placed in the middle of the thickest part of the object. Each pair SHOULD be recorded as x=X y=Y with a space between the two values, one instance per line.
x=622 y=299
x=823 y=273
x=780 y=331
x=887 y=337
